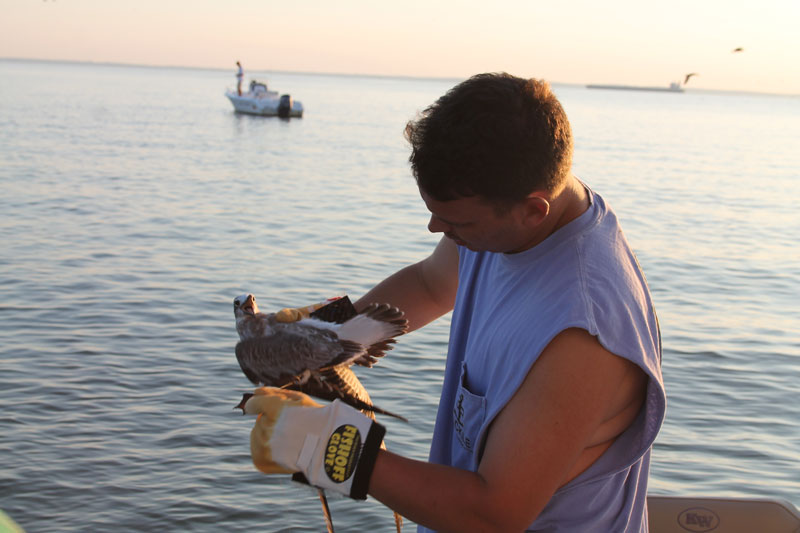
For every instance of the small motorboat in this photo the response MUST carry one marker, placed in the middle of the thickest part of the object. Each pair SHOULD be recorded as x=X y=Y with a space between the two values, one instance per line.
x=261 y=101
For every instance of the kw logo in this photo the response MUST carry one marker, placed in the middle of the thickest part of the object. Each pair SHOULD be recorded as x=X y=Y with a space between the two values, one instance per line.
x=698 y=520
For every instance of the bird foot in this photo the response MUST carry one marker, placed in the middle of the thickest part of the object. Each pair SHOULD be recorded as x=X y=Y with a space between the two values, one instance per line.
x=302 y=378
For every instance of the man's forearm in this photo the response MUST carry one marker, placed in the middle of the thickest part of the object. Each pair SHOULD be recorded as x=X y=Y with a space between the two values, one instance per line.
x=406 y=290
x=424 y=291
x=439 y=497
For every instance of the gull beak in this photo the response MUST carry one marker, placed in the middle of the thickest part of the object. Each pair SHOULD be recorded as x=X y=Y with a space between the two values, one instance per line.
x=246 y=396
x=249 y=306
x=245 y=304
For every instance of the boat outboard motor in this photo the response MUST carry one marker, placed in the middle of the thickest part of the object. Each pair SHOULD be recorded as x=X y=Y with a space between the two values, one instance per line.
x=285 y=106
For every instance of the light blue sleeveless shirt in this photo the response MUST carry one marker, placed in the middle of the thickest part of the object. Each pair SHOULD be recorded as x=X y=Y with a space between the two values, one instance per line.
x=508 y=308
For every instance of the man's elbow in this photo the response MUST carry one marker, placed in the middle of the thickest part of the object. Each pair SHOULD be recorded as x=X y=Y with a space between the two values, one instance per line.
x=504 y=521
x=498 y=516
x=498 y=522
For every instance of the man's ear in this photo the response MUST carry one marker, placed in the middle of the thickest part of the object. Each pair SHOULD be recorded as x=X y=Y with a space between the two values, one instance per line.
x=536 y=207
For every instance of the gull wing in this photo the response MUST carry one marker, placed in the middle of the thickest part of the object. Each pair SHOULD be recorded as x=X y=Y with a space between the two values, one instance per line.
x=275 y=360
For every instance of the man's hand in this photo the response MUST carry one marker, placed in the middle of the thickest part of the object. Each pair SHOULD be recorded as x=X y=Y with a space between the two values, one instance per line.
x=334 y=446
x=293 y=314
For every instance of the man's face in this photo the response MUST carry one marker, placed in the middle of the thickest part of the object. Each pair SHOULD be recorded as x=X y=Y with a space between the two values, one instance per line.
x=474 y=223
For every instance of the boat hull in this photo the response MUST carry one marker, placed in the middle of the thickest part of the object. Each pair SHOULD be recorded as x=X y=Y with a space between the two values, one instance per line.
x=679 y=514
x=262 y=105
x=670 y=89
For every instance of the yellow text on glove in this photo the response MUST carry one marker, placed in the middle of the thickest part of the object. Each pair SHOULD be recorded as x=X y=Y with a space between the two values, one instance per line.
x=341 y=456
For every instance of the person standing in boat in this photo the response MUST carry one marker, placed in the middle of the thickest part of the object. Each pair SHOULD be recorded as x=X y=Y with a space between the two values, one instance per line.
x=553 y=394
x=239 y=78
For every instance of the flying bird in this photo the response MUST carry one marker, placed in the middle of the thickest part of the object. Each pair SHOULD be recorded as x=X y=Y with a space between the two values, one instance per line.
x=739 y=49
x=686 y=79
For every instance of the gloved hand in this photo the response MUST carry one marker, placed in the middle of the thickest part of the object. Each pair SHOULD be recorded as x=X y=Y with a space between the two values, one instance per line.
x=335 y=446
x=293 y=314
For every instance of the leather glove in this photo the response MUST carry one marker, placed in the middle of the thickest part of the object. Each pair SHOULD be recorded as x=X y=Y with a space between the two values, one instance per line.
x=293 y=314
x=334 y=446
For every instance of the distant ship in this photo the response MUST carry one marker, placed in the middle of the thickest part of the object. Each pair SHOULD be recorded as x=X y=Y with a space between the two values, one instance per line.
x=674 y=87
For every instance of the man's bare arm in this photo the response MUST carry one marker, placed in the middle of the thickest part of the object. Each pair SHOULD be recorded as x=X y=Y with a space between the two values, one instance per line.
x=425 y=290
x=574 y=402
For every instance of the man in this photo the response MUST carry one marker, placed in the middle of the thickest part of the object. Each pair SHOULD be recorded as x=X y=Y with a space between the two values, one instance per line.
x=239 y=78
x=553 y=393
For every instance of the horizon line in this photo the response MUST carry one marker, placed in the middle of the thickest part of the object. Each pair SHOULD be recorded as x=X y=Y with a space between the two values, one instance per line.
x=351 y=74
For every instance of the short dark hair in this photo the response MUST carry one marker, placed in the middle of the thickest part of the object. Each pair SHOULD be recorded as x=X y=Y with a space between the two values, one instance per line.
x=495 y=136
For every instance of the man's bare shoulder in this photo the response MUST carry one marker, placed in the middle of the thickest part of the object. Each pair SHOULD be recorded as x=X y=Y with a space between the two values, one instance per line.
x=575 y=400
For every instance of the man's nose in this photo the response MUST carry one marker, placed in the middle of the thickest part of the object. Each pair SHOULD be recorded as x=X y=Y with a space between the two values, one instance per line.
x=437 y=226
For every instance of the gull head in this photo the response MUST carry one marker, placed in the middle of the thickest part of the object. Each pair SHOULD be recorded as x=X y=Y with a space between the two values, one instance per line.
x=244 y=304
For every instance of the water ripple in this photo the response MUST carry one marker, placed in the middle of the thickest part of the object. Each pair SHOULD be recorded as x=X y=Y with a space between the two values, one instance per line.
x=123 y=247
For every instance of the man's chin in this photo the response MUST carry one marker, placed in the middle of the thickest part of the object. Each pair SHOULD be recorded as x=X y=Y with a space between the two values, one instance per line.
x=466 y=245
x=458 y=242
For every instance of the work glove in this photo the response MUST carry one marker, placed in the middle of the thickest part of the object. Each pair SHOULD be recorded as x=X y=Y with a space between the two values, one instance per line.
x=336 y=309
x=293 y=314
x=334 y=447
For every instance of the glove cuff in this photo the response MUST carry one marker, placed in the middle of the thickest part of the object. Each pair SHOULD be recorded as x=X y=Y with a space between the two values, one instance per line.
x=360 y=486
x=366 y=463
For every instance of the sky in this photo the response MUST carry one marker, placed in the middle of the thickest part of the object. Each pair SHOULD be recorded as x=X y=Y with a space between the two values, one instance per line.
x=635 y=42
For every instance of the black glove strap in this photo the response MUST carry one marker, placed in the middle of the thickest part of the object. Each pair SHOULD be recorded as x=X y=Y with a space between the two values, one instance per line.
x=369 y=454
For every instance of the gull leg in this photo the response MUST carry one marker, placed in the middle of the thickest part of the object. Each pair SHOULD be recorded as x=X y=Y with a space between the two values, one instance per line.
x=326 y=510
x=303 y=377
x=398 y=518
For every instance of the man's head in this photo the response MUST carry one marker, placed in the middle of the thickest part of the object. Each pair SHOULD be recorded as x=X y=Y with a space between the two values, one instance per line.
x=493 y=136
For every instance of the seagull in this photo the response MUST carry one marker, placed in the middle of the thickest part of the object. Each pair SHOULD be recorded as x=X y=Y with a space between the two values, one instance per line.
x=313 y=355
x=686 y=79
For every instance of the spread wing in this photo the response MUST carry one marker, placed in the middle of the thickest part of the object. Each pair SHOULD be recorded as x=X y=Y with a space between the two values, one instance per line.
x=342 y=310
x=276 y=359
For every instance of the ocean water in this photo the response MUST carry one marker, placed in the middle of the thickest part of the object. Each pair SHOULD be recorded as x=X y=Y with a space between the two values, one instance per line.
x=135 y=205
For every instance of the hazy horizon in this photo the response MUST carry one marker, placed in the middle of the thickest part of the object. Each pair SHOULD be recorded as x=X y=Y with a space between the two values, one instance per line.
x=258 y=71
x=574 y=42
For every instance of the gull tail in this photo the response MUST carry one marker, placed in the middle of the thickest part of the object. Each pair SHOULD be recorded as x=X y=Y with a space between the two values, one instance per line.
x=341 y=382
